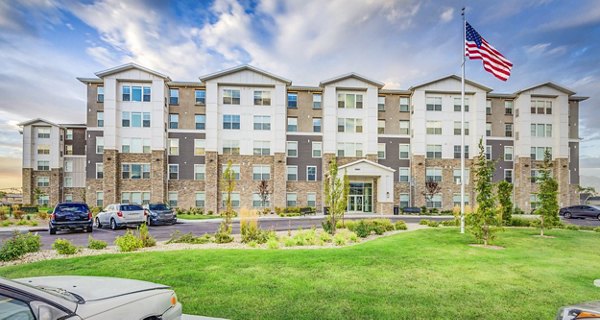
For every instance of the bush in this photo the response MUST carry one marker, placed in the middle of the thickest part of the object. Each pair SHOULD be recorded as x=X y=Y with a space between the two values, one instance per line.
x=380 y=226
x=400 y=225
x=64 y=246
x=327 y=225
x=42 y=215
x=33 y=223
x=272 y=243
x=434 y=211
x=326 y=237
x=363 y=229
x=424 y=222
x=252 y=244
x=223 y=237
x=3 y=215
x=147 y=239
x=177 y=237
x=128 y=242
x=96 y=244
x=433 y=224
x=450 y=223
x=571 y=227
x=339 y=239
x=19 y=214
x=22 y=223
x=520 y=222
x=252 y=232
x=6 y=223
x=18 y=245
x=278 y=210
x=288 y=241
x=446 y=212
x=423 y=210
x=597 y=229
x=518 y=210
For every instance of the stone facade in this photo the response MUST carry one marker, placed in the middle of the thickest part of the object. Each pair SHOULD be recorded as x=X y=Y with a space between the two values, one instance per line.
x=28 y=185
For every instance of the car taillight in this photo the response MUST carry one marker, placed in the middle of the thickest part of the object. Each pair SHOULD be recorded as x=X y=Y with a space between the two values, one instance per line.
x=120 y=214
x=145 y=212
x=52 y=216
x=89 y=215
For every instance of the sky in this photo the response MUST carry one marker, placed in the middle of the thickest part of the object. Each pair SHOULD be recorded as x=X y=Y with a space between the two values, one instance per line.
x=46 y=44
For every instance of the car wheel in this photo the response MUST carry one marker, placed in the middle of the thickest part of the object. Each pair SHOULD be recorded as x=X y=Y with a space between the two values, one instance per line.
x=148 y=221
x=113 y=224
x=52 y=230
x=90 y=229
x=98 y=224
x=568 y=215
x=598 y=217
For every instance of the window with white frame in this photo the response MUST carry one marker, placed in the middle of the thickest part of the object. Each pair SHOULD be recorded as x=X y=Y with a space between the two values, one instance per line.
x=100 y=199
x=135 y=145
x=457 y=152
x=100 y=94
x=231 y=147
x=434 y=201
x=316 y=124
x=68 y=182
x=456 y=175
x=200 y=198
x=100 y=119
x=488 y=107
x=488 y=152
x=538 y=153
x=262 y=98
x=292 y=100
x=534 y=201
x=404 y=104
x=99 y=145
x=135 y=93
x=231 y=121
x=350 y=100
x=404 y=151
x=43 y=132
x=173 y=147
x=200 y=121
x=68 y=166
x=349 y=149
x=261 y=148
x=292 y=124
x=434 y=127
x=458 y=104
x=536 y=175
x=381 y=103
x=434 y=151
x=235 y=168
x=43 y=181
x=69 y=135
x=292 y=173
x=99 y=170
x=350 y=125
x=173 y=120
x=235 y=199
x=434 y=103
x=381 y=150
x=404 y=174
x=43 y=165
x=433 y=174
x=262 y=123
x=380 y=126
x=404 y=127
x=199 y=147
x=173 y=199
x=508 y=153
x=540 y=106
x=311 y=173
x=508 y=107
x=126 y=93
x=404 y=200
x=173 y=172
x=199 y=171
x=488 y=129
x=311 y=199
x=456 y=199
x=200 y=96
x=125 y=119
x=261 y=172
x=257 y=201
x=317 y=98
x=457 y=127
x=541 y=130
x=135 y=197
x=291 y=199
x=68 y=149
x=43 y=149
x=231 y=96
x=316 y=149
x=292 y=149
x=508 y=129
x=43 y=200
x=508 y=175
x=135 y=171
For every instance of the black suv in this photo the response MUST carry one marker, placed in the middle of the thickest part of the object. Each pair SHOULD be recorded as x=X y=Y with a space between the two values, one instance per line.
x=71 y=216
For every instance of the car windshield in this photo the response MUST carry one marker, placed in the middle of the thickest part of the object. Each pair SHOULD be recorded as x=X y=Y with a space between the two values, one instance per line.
x=72 y=207
x=57 y=292
x=131 y=207
x=159 y=206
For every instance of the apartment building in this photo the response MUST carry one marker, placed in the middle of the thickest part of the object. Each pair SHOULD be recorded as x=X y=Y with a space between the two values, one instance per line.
x=148 y=138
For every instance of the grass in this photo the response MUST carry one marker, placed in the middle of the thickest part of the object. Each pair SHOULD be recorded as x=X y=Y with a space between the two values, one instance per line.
x=425 y=274
x=197 y=216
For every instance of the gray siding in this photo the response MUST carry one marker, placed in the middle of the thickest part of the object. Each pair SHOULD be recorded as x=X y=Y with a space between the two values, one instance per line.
x=574 y=162
x=186 y=158
x=498 y=158
x=91 y=157
x=305 y=158
x=392 y=154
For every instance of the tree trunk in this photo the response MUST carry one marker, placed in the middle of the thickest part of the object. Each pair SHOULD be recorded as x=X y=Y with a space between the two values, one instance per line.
x=542 y=227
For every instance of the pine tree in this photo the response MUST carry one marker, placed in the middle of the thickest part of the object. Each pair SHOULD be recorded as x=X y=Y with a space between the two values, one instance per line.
x=547 y=196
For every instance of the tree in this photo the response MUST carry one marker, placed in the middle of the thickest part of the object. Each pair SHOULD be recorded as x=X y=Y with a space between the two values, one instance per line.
x=547 y=196
x=431 y=189
x=505 y=189
x=587 y=191
x=223 y=235
x=37 y=193
x=263 y=192
x=336 y=191
x=482 y=222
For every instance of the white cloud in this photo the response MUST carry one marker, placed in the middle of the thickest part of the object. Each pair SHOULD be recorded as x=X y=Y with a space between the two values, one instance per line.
x=447 y=15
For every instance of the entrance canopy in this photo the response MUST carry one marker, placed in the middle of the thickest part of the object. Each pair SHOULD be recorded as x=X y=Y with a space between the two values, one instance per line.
x=383 y=177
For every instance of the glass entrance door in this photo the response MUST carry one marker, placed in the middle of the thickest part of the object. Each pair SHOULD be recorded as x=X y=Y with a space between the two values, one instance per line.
x=360 y=198
x=356 y=203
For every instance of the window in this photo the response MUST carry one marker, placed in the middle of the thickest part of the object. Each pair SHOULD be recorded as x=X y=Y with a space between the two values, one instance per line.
x=173 y=120
x=43 y=200
x=100 y=119
x=146 y=119
x=261 y=172
x=538 y=153
x=173 y=172
x=262 y=122
x=135 y=171
x=43 y=149
x=231 y=147
x=235 y=199
x=136 y=119
x=311 y=199
x=434 y=127
x=262 y=98
x=404 y=127
x=458 y=104
x=350 y=101
x=316 y=124
x=199 y=147
x=68 y=166
x=235 y=168
x=69 y=134
x=456 y=199
x=292 y=100
x=173 y=96
x=488 y=107
x=200 y=199
x=541 y=107
x=292 y=124
x=231 y=121
x=316 y=149
x=381 y=103
x=317 y=101
x=381 y=150
x=434 y=103
x=292 y=173
x=457 y=152
x=508 y=130
x=135 y=145
x=43 y=133
x=435 y=201
x=434 y=151
x=262 y=148
x=535 y=202
x=350 y=125
x=99 y=145
x=536 y=175
x=200 y=121
x=68 y=182
x=404 y=104
x=69 y=149
x=488 y=129
x=173 y=147
x=433 y=174
x=126 y=93
x=100 y=94
x=349 y=149
x=199 y=171
x=43 y=181
x=136 y=93
x=257 y=201
x=292 y=149
x=200 y=96
x=488 y=152
x=173 y=199
x=311 y=173
x=99 y=170
x=231 y=96
x=100 y=199
x=541 y=130
x=508 y=153
x=404 y=174
x=456 y=175
x=404 y=200
x=147 y=94
x=291 y=199
x=508 y=107
x=380 y=126
x=136 y=197
x=404 y=151
x=508 y=175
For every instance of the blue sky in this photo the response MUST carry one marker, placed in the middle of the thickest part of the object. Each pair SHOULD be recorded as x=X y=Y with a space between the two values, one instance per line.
x=45 y=44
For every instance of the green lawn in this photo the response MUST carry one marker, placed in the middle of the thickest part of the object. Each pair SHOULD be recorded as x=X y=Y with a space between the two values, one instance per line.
x=426 y=274
x=197 y=216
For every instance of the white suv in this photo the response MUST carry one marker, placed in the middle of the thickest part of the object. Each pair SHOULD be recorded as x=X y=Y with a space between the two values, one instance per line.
x=121 y=214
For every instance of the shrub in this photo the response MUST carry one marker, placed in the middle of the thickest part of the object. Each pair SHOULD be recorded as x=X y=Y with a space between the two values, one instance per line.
x=22 y=223
x=252 y=244
x=450 y=223
x=326 y=237
x=424 y=222
x=18 y=245
x=288 y=241
x=571 y=227
x=278 y=210
x=145 y=237
x=433 y=224
x=597 y=229
x=340 y=224
x=96 y=244
x=423 y=210
x=446 y=212
x=3 y=215
x=223 y=237
x=64 y=246
x=210 y=212
x=400 y=225
x=272 y=243
x=518 y=210
x=519 y=222
x=128 y=242
x=434 y=211
x=18 y=214
x=6 y=223
x=339 y=239
x=382 y=225
x=363 y=229
x=306 y=238
x=42 y=215
x=177 y=237
x=252 y=232
x=327 y=225
x=33 y=223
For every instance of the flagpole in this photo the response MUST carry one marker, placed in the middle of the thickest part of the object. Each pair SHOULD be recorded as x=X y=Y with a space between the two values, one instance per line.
x=462 y=129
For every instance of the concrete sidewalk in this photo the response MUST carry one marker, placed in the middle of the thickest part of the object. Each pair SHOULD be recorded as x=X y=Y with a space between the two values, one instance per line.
x=321 y=217
x=191 y=317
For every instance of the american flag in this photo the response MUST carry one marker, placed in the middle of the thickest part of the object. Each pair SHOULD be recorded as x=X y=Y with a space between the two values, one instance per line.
x=493 y=61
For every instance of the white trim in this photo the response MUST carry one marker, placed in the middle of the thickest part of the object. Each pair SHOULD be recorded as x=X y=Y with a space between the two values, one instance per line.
x=394 y=135
x=500 y=138
x=369 y=162
x=295 y=133
x=185 y=130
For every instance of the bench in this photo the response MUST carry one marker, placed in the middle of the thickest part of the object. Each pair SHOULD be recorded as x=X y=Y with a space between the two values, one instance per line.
x=307 y=210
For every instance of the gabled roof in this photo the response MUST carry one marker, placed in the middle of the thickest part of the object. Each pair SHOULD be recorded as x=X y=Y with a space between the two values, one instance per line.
x=242 y=68
x=578 y=98
x=551 y=85
x=454 y=77
x=90 y=80
x=369 y=162
x=352 y=75
x=29 y=122
x=129 y=66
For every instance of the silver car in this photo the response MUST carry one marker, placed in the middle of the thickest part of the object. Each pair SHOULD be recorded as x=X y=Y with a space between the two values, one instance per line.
x=94 y=298
x=119 y=215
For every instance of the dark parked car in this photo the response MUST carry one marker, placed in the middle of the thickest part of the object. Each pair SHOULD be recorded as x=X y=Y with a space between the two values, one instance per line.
x=416 y=210
x=159 y=213
x=580 y=211
x=70 y=216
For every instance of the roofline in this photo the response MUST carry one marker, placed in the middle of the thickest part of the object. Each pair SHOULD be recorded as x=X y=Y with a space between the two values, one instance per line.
x=127 y=66
x=453 y=76
x=352 y=75
x=369 y=162
x=73 y=125
x=89 y=80
x=549 y=84
x=185 y=84
x=578 y=98
x=241 y=68
x=305 y=88
x=395 y=91
x=502 y=95
x=29 y=122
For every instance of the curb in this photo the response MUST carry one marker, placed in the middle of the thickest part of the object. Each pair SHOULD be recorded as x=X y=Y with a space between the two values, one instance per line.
x=317 y=217
x=23 y=229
